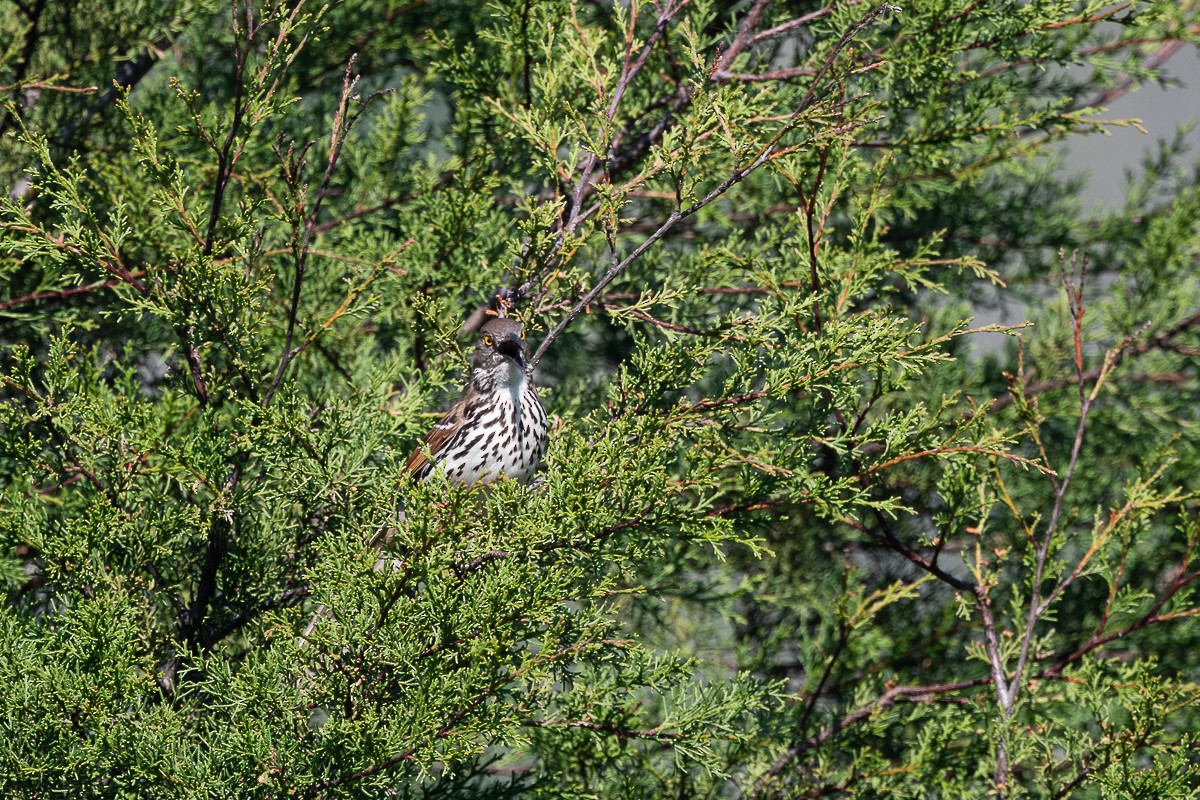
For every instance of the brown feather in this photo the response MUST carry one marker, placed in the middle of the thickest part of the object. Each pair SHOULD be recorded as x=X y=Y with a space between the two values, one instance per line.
x=438 y=437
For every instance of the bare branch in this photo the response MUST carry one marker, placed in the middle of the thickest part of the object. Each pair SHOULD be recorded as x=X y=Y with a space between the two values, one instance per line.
x=629 y=70
x=745 y=35
x=226 y=159
x=305 y=220
x=1131 y=347
x=740 y=174
x=62 y=294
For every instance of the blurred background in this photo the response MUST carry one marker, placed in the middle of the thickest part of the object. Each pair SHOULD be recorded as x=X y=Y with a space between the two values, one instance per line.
x=1164 y=111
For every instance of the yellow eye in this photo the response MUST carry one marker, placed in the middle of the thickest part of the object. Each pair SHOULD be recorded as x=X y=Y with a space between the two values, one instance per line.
x=522 y=334
x=489 y=341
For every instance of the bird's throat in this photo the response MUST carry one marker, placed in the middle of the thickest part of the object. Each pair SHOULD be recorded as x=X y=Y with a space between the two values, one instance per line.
x=505 y=378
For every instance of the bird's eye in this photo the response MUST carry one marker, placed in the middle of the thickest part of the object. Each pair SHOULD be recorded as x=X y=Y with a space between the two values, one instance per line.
x=522 y=334
x=489 y=341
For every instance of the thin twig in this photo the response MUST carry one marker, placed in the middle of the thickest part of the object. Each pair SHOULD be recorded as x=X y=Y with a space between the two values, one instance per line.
x=33 y=35
x=1133 y=347
x=677 y=214
x=745 y=35
x=630 y=68
x=897 y=694
x=305 y=220
x=226 y=158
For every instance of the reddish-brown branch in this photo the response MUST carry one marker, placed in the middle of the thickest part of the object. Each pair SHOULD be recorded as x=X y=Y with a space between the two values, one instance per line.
x=366 y=211
x=116 y=268
x=33 y=35
x=63 y=294
x=764 y=77
x=1160 y=341
x=798 y=22
x=745 y=35
x=1151 y=617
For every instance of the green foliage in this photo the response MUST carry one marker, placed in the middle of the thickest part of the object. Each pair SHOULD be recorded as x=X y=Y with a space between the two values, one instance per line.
x=804 y=528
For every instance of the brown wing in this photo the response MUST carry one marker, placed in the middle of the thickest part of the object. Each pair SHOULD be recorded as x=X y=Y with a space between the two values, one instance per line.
x=432 y=443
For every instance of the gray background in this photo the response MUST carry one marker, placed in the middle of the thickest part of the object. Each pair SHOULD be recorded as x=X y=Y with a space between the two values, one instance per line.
x=1105 y=159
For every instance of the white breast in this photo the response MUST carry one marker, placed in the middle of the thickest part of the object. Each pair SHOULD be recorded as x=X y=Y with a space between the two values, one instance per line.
x=512 y=438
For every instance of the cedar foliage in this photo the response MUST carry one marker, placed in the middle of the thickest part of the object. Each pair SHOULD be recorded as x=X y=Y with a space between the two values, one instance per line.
x=804 y=529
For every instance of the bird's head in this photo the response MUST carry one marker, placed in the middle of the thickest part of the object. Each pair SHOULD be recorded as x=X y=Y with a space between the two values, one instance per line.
x=501 y=352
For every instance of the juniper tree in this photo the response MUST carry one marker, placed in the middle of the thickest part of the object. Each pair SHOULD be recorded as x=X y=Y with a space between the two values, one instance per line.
x=797 y=533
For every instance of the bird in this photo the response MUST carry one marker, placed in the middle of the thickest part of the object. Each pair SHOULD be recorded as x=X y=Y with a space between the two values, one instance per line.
x=498 y=426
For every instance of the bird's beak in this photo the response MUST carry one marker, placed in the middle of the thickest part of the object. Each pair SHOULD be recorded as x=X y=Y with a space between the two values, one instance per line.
x=512 y=349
